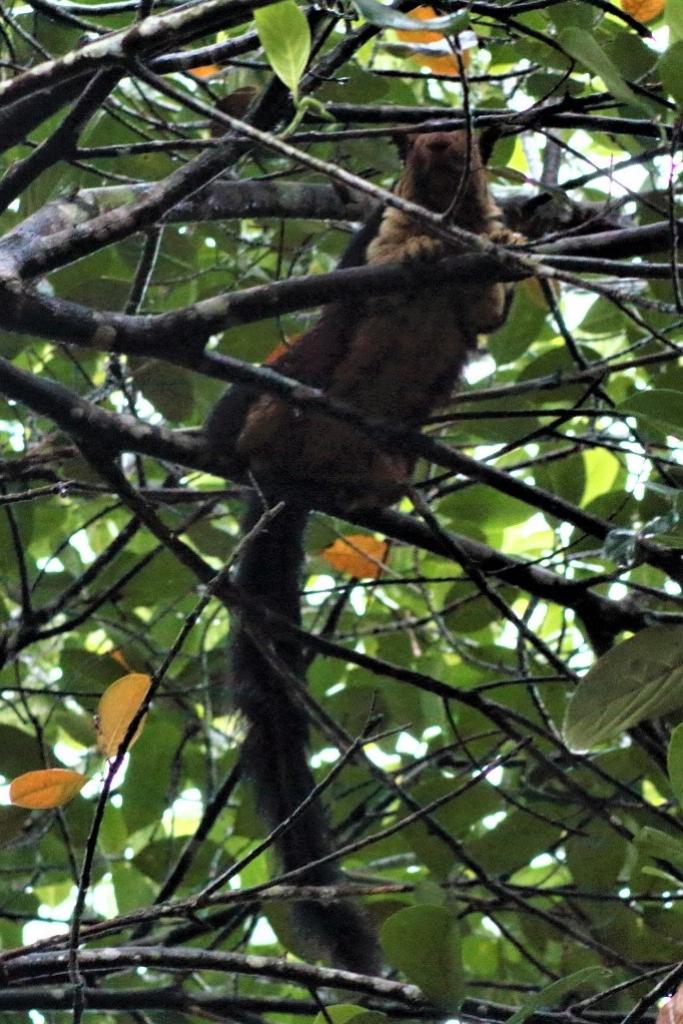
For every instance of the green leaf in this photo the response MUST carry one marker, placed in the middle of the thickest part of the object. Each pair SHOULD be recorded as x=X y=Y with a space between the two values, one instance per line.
x=581 y=45
x=669 y=68
x=286 y=38
x=596 y=857
x=573 y=12
x=387 y=17
x=168 y=388
x=12 y=821
x=19 y=751
x=515 y=841
x=664 y=407
x=656 y=843
x=641 y=678
x=424 y=943
x=674 y=762
x=523 y=324
x=344 y=1013
x=549 y=995
x=630 y=54
x=673 y=15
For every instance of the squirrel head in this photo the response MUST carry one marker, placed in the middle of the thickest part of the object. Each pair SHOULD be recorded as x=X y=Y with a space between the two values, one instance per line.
x=443 y=166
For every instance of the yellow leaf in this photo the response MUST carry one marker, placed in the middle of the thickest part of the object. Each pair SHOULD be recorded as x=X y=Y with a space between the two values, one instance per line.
x=643 y=10
x=358 y=555
x=49 y=787
x=118 y=706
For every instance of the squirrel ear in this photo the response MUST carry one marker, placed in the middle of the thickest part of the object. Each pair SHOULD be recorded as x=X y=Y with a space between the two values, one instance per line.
x=488 y=137
x=404 y=142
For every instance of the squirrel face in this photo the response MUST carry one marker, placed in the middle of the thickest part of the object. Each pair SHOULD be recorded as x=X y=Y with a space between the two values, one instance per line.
x=439 y=167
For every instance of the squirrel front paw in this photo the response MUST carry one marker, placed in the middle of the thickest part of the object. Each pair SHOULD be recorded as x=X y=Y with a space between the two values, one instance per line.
x=504 y=236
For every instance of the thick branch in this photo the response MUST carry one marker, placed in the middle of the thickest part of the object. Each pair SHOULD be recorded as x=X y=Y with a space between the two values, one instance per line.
x=180 y=336
x=150 y=34
x=237 y=1007
x=553 y=115
x=161 y=958
x=225 y=200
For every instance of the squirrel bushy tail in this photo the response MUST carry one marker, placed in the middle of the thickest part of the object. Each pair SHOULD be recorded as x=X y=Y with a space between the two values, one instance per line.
x=274 y=754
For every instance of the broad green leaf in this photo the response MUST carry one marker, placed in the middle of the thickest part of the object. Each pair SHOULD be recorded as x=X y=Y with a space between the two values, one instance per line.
x=602 y=474
x=148 y=775
x=286 y=38
x=168 y=388
x=573 y=12
x=387 y=17
x=19 y=750
x=516 y=840
x=602 y=319
x=657 y=843
x=641 y=678
x=670 y=68
x=424 y=943
x=12 y=821
x=566 y=477
x=132 y=888
x=581 y=45
x=633 y=58
x=673 y=14
x=664 y=407
x=523 y=324
x=549 y=995
x=674 y=762
x=596 y=856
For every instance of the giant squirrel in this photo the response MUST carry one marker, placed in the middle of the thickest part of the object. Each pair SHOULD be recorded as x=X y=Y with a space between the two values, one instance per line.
x=396 y=357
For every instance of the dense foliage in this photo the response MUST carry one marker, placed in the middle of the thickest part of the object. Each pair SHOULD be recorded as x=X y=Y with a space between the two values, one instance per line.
x=168 y=204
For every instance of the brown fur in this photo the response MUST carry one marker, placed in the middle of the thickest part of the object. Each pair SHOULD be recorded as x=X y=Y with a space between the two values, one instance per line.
x=395 y=357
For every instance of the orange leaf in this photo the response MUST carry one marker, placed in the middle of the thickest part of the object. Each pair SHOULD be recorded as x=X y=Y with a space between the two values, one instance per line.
x=443 y=63
x=439 y=63
x=281 y=348
x=421 y=35
x=643 y=10
x=357 y=555
x=118 y=657
x=116 y=710
x=205 y=71
x=49 y=787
